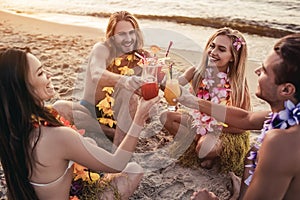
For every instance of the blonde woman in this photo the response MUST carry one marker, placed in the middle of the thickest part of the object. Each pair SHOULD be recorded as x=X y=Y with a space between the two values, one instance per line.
x=221 y=79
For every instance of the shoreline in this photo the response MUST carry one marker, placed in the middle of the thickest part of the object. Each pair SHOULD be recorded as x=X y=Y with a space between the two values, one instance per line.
x=198 y=34
x=260 y=28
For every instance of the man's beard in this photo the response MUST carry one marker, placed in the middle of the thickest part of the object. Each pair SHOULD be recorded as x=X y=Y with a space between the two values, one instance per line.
x=124 y=48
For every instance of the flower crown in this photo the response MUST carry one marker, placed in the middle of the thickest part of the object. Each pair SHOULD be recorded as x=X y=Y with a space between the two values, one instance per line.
x=238 y=42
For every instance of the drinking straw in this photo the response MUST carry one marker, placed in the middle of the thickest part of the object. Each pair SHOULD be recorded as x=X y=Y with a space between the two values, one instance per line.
x=170 y=44
x=140 y=56
x=168 y=75
x=171 y=70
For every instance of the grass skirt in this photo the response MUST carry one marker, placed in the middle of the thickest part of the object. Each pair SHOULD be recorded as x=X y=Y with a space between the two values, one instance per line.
x=231 y=158
x=102 y=189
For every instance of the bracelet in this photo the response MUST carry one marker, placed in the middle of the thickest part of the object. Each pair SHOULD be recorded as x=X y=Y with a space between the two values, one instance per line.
x=135 y=130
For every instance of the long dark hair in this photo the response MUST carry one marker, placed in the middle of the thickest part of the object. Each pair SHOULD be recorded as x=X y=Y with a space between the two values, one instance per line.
x=17 y=106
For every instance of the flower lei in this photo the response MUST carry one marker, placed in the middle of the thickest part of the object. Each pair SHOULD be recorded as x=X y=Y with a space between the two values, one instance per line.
x=120 y=65
x=285 y=119
x=37 y=121
x=217 y=92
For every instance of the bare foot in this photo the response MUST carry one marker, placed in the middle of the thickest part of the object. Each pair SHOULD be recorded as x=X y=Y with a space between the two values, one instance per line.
x=203 y=194
x=236 y=185
x=125 y=183
x=207 y=164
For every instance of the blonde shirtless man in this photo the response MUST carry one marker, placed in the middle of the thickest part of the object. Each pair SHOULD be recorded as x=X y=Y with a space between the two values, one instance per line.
x=122 y=37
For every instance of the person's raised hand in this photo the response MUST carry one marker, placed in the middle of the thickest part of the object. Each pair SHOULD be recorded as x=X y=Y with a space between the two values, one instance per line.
x=187 y=76
x=131 y=83
x=143 y=109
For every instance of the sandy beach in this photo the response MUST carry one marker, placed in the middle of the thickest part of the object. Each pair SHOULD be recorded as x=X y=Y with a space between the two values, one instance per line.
x=64 y=50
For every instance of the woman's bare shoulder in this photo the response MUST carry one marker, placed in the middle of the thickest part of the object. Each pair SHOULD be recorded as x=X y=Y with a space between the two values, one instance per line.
x=59 y=134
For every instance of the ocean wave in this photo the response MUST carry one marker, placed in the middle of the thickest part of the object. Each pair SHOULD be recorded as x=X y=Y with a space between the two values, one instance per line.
x=272 y=18
x=262 y=28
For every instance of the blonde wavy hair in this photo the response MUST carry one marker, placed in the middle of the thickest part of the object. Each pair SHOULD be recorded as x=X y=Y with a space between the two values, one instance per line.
x=240 y=96
x=110 y=31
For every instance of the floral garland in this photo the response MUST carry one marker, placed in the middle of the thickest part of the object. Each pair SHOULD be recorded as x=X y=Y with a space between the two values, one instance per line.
x=38 y=121
x=284 y=119
x=217 y=92
x=120 y=65
x=105 y=107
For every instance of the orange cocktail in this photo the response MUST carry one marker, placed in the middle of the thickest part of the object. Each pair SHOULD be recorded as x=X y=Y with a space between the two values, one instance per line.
x=172 y=92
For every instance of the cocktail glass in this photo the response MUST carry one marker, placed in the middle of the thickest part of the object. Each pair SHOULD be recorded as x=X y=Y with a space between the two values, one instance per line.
x=150 y=86
x=171 y=93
